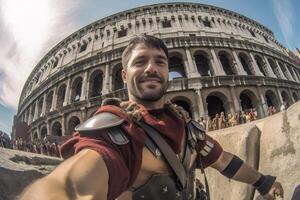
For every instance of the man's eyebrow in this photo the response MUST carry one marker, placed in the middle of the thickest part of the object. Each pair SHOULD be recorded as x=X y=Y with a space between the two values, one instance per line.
x=161 y=57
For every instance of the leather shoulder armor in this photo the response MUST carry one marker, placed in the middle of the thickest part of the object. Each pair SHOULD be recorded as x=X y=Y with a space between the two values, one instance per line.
x=102 y=121
x=196 y=129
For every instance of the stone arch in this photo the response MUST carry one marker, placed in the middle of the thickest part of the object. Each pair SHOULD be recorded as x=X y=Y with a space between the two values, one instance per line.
x=271 y=99
x=117 y=77
x=49 y=100
x=44 y=132
x=246 y=63
x=73 y=122
x=283 y=69
x=61 y=93
x=176 y=66
x=76 y=89
x=261 y=65
x=56 y=129
x=295 y=96
x=203 y=64
x=274 y=67
x=95 y=83
x=216 y=103
x=227 y=62
x=185 y=103
x=249 y=100
x=286 y=98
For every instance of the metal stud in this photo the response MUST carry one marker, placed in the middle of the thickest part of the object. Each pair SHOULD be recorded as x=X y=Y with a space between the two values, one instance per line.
x=164 y=189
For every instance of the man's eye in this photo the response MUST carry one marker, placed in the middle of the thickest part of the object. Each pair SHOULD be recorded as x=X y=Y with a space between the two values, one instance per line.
x=140 y=62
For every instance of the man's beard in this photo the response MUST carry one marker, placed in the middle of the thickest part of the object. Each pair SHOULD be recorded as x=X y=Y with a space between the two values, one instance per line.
x=146 y=95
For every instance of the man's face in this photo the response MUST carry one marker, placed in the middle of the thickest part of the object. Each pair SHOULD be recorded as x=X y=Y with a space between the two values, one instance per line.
x=146 y=73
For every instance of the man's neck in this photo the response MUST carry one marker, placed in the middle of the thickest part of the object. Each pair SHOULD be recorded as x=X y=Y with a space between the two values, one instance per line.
x=149 y=105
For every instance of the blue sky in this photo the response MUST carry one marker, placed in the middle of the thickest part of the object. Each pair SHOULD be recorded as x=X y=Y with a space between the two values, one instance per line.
x=29 y=29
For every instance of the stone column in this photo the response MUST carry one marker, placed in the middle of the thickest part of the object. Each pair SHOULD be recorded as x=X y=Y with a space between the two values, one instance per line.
x=49 y=131
x=30 y=114
x=105 y=88
x=190 y=65
x=238 y=66
x=291 y=77
x=263 y=101
x=63 y=125
x=54 y=100
x=67 y=99
x=269 y=68
x=217 y=66
x=200 y=105
x=282 y=75
x=296 y=75
x=255 y=66
x=38 y=133
x=44 y=105
x=280 y=97
x=236 y=102
x=84 y=87
x=35 y=116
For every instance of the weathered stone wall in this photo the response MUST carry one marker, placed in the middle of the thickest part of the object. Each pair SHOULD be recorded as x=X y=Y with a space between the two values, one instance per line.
x=271 y=145
x=18 y=169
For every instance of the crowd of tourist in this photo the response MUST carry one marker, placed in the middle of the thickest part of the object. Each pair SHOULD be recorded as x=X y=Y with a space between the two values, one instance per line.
x=44 y=146
x=220 y=120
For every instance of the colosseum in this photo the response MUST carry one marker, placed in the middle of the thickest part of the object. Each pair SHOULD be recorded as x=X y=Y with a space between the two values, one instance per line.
x=219 y=61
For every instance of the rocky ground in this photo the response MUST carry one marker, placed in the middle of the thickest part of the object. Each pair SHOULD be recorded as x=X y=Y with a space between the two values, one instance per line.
x=18 y=169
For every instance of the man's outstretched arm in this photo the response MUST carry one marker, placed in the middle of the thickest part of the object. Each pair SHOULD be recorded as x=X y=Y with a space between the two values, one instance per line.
x=239 y=171
x=83 y=176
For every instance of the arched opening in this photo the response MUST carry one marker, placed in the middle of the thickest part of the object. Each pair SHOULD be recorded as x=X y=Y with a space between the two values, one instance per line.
x=250 y=101
x=291 y=72
x=261 y=64
x=295 y=96
x=43 y=132
x=203 y=64
x=274 y=68
x=246 y=64
x=73 y=122
x=227 y=63
x=184 y=105
x=117 y=78
x=49 y=100
x=57 y=129
x=35 y=136
x=96 y=83
x=176 y=65
x=216 y=103
x=76 y=90
x=61 y=96
x=272 y=100
x=286 y=99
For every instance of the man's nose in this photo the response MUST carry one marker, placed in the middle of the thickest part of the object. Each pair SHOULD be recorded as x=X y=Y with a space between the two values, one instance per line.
x=151 y=67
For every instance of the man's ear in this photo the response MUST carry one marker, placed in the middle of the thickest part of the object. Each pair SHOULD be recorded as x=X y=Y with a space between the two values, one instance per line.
x=124 y=76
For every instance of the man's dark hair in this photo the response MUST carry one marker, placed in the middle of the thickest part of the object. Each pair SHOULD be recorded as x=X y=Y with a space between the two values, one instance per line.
x=148 y=40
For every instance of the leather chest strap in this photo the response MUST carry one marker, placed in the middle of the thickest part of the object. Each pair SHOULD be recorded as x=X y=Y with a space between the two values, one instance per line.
x=168 y=153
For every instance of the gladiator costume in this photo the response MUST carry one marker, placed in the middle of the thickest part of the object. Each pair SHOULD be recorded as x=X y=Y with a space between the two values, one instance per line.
x=120 y=130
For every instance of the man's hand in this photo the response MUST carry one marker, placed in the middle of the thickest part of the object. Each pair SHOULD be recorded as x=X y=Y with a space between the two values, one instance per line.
x=275 y=191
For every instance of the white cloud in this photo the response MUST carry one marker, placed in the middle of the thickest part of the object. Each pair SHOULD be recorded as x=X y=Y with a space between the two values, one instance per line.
x=28 y=29
x=284 y=13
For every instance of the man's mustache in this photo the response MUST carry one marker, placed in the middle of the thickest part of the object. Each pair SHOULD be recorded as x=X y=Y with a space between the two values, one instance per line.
x=150 y=76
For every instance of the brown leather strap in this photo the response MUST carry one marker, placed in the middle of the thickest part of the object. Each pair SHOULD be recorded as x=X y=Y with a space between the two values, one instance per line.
x=167 y=152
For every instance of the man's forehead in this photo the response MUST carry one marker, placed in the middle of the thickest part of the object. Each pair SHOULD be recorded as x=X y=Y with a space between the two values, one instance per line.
x=144 y=49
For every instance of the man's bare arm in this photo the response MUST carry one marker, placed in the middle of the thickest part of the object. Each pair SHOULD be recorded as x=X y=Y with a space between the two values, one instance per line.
x=83 y=176
x=246 y=174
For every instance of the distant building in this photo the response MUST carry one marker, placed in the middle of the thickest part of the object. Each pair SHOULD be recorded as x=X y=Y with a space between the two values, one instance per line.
x=298 y=53
x=219 y=61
